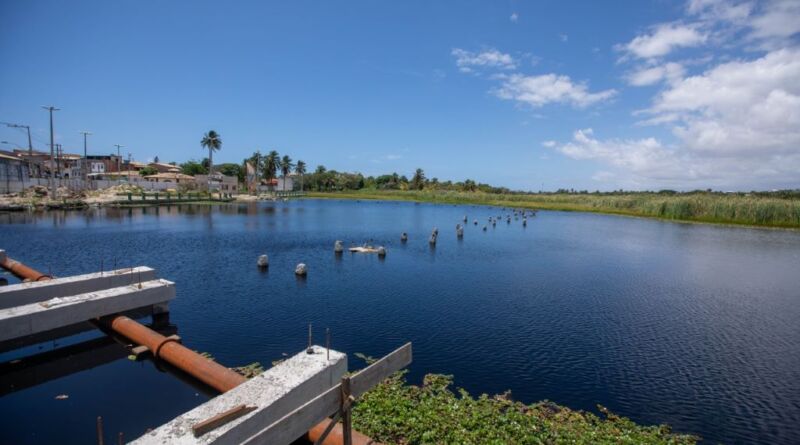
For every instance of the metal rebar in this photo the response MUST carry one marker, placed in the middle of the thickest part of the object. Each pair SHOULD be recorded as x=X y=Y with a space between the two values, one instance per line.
x=99 y=430
x=328 y=344
x=310 y=350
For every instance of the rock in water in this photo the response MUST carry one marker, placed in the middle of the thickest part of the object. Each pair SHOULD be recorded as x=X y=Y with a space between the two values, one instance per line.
x=263 y=261
x=404 y=237
x=301 y=270
x=337 y=247
x=381 y=251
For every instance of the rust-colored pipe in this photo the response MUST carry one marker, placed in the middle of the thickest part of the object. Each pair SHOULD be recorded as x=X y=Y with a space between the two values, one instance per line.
x=20 y=270
x=207 y=371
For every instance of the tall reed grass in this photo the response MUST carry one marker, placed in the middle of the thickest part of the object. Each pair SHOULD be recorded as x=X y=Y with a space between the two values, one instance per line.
x=702 y=207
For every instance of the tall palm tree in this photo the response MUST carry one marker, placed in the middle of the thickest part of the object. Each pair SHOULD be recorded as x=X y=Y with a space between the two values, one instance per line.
x=300 y=169
x=271 y=162
x=212 y=141
x=286 y=167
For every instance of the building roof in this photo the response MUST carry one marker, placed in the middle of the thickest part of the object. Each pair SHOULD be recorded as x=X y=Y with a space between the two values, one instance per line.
x=174 y=176
x=10 y=158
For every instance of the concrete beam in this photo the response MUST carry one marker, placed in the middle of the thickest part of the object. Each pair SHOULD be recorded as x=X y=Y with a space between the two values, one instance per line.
x=36 y=291
x=275 y=393
x=64 y=311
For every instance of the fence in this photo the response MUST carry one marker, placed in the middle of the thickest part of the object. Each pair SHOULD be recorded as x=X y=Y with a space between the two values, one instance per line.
x=16 y=186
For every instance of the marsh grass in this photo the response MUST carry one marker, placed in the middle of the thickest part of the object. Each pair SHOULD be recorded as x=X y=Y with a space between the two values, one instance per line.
x=742 y=209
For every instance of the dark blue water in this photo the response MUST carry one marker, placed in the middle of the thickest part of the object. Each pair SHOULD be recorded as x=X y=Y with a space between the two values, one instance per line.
x=692 y=325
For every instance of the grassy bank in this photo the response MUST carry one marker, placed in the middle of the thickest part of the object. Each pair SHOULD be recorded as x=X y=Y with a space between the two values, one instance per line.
x=697 y=207
x=398 y=413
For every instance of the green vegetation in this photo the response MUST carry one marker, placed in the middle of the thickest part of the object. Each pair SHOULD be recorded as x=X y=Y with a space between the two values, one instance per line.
x=147 y=171
x=395 y=412
x=212 y=142
x=778 y=209
x=192 y=168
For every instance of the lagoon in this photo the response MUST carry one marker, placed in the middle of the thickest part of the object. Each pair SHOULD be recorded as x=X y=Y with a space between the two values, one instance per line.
x=696 y=326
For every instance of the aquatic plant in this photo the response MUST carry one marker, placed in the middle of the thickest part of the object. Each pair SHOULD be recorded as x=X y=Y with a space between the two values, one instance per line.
x=395 y=412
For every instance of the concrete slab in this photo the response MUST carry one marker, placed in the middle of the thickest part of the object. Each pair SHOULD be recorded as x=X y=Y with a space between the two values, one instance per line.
x=64 y=311
x=275 y=393
x=33 y=292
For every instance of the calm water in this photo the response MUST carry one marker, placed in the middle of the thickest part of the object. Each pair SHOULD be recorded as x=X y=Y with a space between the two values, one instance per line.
x=692 y=325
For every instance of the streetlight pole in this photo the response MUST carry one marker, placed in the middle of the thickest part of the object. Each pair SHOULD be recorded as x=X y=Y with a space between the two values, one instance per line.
x=118 y=162
x=30 y=143
x=52 y=147
x=84 y=170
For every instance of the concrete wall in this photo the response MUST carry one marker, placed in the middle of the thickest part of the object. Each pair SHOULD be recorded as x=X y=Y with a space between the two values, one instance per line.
x=36 y=291
x=79 y=184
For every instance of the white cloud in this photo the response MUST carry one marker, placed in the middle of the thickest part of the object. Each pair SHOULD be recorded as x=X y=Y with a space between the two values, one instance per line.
x=742 y=106
x=563 y=37
x=647 y=163
x=490 y=58
x=540 y=90
x=651 y=75
x=663 y=39
x=514 y=17
x=731 y=11
x=779 y=19
x=549 y=144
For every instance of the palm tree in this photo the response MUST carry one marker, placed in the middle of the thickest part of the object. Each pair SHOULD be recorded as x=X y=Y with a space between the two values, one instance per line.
x=300 y=169
x=212 y=141
x=271 y=162
x=286 y=167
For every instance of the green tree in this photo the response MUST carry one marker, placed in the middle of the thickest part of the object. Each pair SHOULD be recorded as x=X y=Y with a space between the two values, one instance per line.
x=230 y=169
x=193 y=168
x=271 y=165
x=418 y=180
x=212 y=142
x=300 y=169
x=147 y=171
x=286 y=165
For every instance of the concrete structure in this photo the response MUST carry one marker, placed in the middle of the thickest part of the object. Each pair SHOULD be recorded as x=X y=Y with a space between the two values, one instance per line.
x=174 y=178
x=34 y=292
x=64 y=311
x=274 y=394
x=219 y=182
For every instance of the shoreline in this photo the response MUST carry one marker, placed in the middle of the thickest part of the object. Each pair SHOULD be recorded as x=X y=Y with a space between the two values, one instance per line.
x=540 y=205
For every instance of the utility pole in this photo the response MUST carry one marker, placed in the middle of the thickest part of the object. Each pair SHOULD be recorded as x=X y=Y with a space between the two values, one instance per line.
x=118 y=162
x=59 y=159
x=52 y=147
x=30 y=144
x=84 y=170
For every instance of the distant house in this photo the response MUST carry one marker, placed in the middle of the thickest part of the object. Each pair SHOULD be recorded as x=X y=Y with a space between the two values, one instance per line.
x=103 y=163
x=223 y=183
x=178 y=178
x=164 y=168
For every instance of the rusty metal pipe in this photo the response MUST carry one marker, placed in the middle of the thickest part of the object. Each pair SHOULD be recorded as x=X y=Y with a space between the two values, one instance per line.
x=22 y=271
x=207 y=371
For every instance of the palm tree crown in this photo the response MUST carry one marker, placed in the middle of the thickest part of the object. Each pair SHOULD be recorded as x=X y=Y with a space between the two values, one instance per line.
x=271 y=162
x=300 y=169
x=286 y=167
x=213 y=142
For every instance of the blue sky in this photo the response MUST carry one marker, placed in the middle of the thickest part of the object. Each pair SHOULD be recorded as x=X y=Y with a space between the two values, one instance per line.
x=584 y=95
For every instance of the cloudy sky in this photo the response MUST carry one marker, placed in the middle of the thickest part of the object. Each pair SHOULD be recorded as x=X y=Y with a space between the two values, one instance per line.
x=530 y=95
